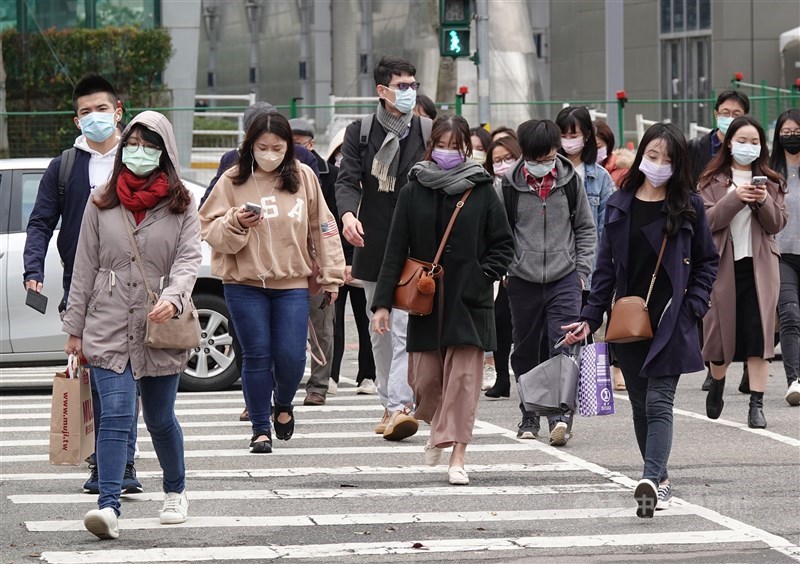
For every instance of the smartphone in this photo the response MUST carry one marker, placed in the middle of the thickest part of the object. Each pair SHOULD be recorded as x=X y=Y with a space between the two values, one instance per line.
x=36 y=300
x=577 y=330
x=255 y=209
x=759 y=180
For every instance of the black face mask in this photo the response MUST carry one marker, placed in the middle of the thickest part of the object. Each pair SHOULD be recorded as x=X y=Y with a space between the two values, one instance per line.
x=791 y=144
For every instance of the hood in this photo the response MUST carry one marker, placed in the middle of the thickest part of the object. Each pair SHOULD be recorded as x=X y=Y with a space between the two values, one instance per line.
x=158 y=123
x=336 y=142
x=82 y=144
x=564 y=169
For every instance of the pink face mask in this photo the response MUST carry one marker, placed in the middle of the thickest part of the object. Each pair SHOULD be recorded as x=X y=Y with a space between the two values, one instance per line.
x=572 y=146
x=501 y=168
x=657 y=174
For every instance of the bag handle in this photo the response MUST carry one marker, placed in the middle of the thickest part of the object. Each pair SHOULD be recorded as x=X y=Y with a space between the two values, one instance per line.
x=655 y=272
x=313 y=333
x=447 y=231
x=136 y=253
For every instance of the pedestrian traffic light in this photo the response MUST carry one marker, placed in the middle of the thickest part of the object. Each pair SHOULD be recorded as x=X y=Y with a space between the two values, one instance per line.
x=455 y=18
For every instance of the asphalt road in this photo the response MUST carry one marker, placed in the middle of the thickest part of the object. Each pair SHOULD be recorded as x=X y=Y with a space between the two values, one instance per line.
x=339 y=493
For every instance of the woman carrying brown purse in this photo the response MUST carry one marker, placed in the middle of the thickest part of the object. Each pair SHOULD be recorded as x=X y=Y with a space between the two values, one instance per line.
x=446 y=352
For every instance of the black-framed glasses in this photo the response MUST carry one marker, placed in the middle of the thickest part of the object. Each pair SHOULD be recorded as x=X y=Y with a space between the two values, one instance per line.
x=148 y=150
x=403 y=86
x=551 y=161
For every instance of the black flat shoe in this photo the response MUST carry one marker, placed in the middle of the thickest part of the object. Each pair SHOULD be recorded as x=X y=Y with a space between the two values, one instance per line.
x=499 y=391
x=283 y=431
x=755 y=417
x=707 y=382
x=714 y=401
x=261 y=447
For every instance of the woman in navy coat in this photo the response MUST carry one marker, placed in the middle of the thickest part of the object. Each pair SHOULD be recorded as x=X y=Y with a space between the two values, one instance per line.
x=656 y=198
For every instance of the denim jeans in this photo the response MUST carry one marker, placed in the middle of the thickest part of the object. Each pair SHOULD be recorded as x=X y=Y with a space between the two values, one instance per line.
x=118 y=396
x=789 y=311
x=132 y=435
x=272 y=326
x=652 y=399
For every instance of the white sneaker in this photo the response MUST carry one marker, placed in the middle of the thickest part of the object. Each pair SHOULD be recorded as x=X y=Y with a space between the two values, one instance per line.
x=367 y=387
x=489 y=376
x=792 y=396
x=457 y=476
x=333 y=388
x=558 y=435
x=102 y=523
x=175 y=509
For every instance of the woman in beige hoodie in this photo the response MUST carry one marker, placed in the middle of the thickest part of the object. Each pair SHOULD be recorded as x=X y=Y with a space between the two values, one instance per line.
x=267 y=223
x=108 y=308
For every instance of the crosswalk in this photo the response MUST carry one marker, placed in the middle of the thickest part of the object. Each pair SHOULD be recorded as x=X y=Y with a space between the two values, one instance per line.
x=337 y=490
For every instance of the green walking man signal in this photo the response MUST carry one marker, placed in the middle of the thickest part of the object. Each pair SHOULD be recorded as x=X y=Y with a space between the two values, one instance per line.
x=455 y=19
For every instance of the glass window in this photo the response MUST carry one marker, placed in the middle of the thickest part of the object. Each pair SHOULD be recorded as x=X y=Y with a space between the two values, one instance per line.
x=30 y=187
x=677 y=15
x=691 y=15
x=705 y=14
x=666 y=16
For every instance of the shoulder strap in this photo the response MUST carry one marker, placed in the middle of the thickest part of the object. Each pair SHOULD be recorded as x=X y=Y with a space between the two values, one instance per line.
x=510 y=201
x=571 y=190
x=655 y=272
x=137 y=256
x=366 y=127
x=64 y=172
x=427 y=125
x=447 y=231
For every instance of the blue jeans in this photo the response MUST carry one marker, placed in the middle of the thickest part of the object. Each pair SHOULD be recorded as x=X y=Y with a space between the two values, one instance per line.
x=272 y=326
x=118 y=396
x=134 y=431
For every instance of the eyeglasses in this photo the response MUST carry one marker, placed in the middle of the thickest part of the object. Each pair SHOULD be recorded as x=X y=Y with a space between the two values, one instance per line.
x=728 y=113
x=403 y=86
x=508 y=160
x=547 y=160
x=788 y=133
x=148 y=150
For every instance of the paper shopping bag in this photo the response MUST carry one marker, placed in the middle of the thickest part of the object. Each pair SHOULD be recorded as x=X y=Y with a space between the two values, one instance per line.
x=595 y=392
x=71 y=417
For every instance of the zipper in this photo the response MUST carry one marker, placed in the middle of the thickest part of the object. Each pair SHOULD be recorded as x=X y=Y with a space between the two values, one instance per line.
x=544 y=238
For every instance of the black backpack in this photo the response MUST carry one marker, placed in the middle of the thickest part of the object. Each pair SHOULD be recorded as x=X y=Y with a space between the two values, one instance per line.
x=64 y=170
x=511 y=200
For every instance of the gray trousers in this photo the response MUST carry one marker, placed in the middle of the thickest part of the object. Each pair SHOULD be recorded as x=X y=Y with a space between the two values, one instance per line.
x=322 y=320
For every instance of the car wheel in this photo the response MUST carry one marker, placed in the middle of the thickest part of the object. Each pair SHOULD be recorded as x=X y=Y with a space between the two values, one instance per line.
x=212 y=365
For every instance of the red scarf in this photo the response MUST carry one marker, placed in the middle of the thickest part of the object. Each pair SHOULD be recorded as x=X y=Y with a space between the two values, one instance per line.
x=137 y=196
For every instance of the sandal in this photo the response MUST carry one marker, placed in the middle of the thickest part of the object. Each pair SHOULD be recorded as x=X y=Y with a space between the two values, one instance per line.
x=261 y=447
x=283 y=431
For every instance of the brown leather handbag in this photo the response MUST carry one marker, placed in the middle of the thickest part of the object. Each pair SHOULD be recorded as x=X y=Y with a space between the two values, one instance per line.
x=417 y=284
x=630 y=318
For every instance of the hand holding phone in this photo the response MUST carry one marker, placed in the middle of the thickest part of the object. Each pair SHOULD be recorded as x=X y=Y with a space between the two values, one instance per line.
x=573 y=336
x=36 y=300
x=249 y=215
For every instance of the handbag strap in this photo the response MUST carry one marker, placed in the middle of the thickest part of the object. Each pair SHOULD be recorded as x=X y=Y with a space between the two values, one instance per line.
x=447 y=231
x=136 y=253
x=655 y=272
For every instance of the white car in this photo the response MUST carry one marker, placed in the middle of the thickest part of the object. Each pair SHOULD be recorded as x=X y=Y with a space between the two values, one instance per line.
x=28 y=338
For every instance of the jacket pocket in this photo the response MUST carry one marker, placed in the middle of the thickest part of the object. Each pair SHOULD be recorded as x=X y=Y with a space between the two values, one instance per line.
x=594 y=201
x=478 y=288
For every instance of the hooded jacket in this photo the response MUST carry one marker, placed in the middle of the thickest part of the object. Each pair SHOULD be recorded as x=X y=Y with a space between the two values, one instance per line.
x=547 y=245
x=108 y=302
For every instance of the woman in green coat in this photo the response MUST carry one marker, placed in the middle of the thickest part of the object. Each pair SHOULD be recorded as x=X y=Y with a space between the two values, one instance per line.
x=446 y=358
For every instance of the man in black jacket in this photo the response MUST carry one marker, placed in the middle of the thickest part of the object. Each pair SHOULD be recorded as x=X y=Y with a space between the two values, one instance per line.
x=374 y=168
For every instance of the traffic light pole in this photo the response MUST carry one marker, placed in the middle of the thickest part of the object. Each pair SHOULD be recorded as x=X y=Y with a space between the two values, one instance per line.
x=482 y=29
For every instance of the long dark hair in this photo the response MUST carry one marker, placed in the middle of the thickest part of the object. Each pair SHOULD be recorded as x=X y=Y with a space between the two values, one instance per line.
x=481 y=134
x=179 y=196
x=679 y=186
x=723 y=162
x=777 y=160
x=287 y=170
x=578 y=119
x=460 y=129
x=509 y=144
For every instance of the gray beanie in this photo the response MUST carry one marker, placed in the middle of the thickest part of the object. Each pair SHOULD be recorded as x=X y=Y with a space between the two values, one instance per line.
x=301 y=126
x=255 y=110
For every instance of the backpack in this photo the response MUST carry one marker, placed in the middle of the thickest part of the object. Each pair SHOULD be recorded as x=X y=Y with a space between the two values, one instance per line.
x=511 y=200
x=366 y=125
x=64 y=171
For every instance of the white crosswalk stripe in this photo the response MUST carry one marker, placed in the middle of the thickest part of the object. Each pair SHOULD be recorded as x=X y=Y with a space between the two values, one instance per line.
x=337 y=479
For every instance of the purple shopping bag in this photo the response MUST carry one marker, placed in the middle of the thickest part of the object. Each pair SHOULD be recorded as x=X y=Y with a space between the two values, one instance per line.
x=595 y=392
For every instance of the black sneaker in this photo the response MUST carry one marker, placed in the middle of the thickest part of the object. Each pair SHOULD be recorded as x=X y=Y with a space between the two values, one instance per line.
x=92 y=485
x=129 y=482
x=528 y=428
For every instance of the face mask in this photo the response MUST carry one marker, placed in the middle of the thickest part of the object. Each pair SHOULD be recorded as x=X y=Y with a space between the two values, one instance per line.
x=447 y=158
x=790 y=144
x=139 y=162
x=268 y=160
x=479 y=156
x=657 y=174
x=405 y=100
x=539 y=170
x=723 y=123
x=98 y=126
x=572 y=146
x=745 y=153
x=602 y=154
x=501 y=168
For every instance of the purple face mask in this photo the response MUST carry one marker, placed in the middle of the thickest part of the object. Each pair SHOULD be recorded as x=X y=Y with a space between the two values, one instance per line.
x=447 y=158
x=657 y=174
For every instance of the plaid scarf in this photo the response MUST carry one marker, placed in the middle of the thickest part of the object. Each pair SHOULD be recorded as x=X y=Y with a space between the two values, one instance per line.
x=387 y=159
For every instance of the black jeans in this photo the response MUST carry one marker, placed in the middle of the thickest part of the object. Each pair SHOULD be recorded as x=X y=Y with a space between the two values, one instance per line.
x=789 y=311
x=652 y=400
x=358 y=303
x=502 y=323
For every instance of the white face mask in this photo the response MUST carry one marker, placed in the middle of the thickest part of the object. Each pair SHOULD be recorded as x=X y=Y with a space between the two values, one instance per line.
x=745 y=153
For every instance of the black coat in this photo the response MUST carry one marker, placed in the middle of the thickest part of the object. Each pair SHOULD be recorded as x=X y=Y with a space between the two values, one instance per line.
x=478 y=252
x=357 y=190
x=700 y=154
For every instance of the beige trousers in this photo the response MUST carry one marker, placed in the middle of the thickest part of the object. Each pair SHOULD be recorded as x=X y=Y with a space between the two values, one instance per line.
x=447 y=386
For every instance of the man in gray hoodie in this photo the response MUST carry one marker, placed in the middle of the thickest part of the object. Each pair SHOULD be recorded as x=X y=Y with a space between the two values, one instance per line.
x=554 y=237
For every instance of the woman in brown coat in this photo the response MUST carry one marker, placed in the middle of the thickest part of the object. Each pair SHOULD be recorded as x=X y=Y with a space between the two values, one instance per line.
x=744 y=214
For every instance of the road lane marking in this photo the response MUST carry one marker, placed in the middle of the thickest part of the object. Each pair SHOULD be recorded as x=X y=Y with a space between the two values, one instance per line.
x=370 y=421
